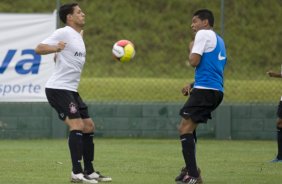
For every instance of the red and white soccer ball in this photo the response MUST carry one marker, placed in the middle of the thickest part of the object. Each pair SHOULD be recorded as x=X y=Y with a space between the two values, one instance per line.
x=123 y=50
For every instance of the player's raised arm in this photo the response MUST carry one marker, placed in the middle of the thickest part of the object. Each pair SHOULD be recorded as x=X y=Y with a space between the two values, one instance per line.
x=43 y=49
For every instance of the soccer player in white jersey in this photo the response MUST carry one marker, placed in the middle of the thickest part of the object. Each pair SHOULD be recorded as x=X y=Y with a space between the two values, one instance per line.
x=61 y=91
x=208 y=56
x=278 y=157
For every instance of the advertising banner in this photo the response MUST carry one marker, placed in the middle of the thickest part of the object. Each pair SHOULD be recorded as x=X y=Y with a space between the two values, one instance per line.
x=23 y=73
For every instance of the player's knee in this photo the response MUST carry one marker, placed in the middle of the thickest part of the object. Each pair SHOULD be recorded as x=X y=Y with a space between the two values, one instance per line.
x=186 y=126
x=89 y=126
x=77 y=127
x=180 y=130
x=74 y=124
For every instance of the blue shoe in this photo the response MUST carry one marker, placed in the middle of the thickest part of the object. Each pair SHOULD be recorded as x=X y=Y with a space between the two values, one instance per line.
x=275 y=160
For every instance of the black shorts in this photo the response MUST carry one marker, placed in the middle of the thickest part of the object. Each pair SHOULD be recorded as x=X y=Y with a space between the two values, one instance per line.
x=279 y=110
x=200 y=104
x=67 y=103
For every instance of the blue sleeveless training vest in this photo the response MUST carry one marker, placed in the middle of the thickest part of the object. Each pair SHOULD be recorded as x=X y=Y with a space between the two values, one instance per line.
x=209 y=72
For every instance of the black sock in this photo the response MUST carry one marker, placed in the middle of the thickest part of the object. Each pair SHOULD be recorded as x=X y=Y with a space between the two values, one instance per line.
x=88 y=152
x=279 y=142
x=188 y=150
x=75 y=146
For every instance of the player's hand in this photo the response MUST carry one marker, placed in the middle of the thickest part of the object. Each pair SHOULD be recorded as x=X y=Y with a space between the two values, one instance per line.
x=186 y=90
x=60 y=46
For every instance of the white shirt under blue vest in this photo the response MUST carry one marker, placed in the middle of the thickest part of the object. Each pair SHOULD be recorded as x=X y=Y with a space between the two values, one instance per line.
x=209 y=72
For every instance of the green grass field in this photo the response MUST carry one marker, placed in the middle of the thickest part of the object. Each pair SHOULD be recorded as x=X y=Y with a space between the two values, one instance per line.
x=140 y=161
x=168 y=90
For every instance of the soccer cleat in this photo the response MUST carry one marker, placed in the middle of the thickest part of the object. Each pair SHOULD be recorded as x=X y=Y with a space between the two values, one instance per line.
x=183 y=172
x=179 y=179
x=276 y=160
x=79 y=178
x=97 y=176
x=191 y=180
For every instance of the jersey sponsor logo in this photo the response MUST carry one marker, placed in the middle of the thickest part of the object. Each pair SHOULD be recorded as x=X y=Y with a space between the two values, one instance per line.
x=220 y=57
x=79 y=54
x=29 y=65
x=73 y=108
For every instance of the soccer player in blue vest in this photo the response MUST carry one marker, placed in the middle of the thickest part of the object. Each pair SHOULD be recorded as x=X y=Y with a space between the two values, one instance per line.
x=278 y=157
x=208 y=57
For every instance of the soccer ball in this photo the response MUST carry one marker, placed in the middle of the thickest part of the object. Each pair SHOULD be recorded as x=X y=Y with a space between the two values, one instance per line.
x=123 y=50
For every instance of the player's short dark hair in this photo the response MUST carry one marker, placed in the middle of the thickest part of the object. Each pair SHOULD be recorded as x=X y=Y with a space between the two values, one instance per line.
x=204 y=14
x=65 y=10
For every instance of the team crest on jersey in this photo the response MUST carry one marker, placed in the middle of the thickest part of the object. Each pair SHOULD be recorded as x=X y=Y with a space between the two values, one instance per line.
x=73 y=108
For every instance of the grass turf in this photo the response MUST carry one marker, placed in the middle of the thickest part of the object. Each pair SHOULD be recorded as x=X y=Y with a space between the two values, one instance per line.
x=139 y=161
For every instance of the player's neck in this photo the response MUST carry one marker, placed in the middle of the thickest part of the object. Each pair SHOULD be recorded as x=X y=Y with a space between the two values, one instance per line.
x=77 y=28
x=206 y=28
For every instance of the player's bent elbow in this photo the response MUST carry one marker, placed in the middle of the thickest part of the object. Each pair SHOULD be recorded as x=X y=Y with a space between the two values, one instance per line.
x=194 y=59
x=193 y=64
x=43 y=49
x=39 y=50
